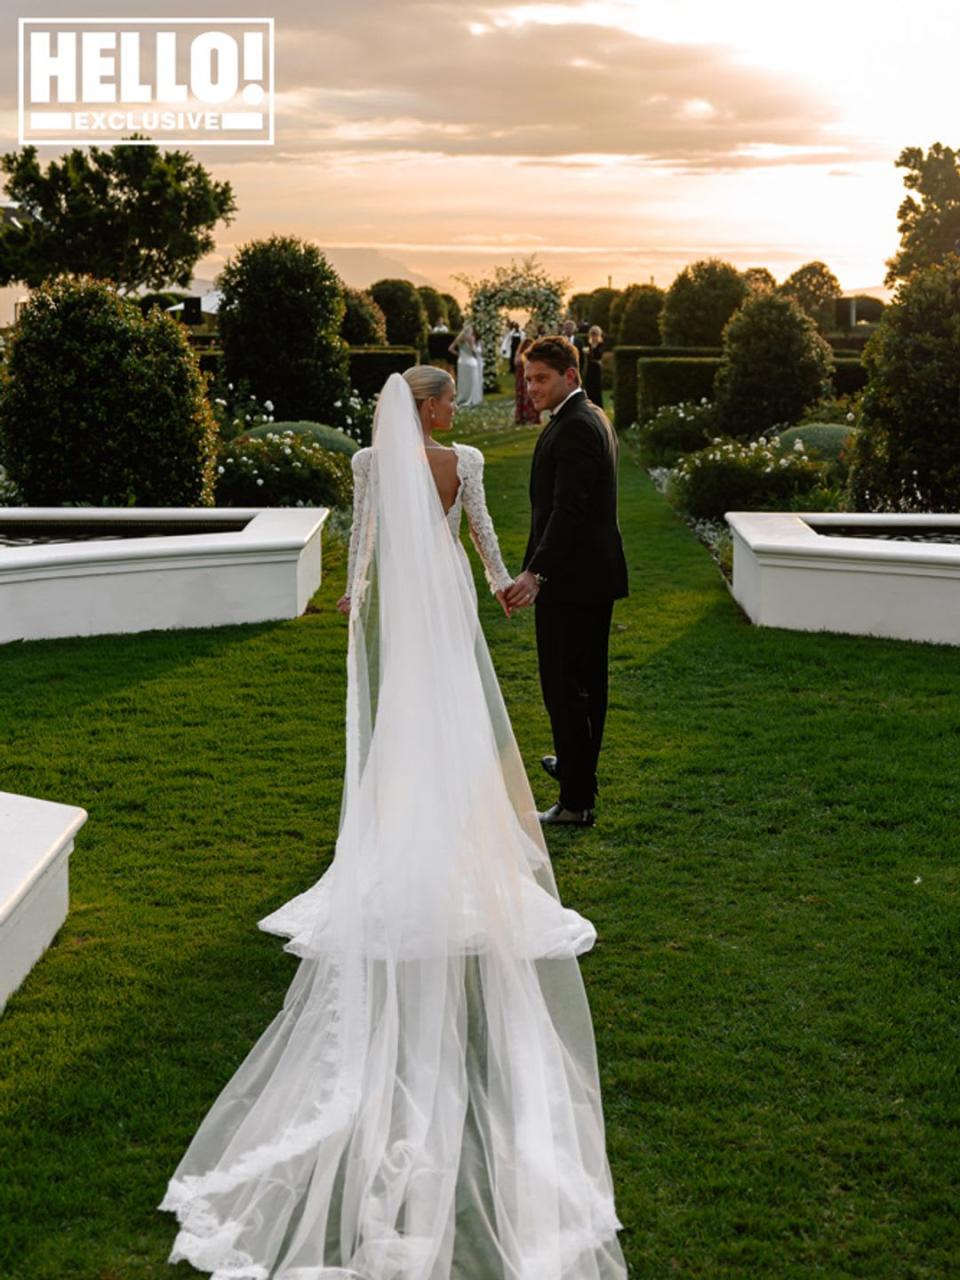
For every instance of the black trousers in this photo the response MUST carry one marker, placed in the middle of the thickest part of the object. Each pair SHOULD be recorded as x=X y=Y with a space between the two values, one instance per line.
x=572 y=646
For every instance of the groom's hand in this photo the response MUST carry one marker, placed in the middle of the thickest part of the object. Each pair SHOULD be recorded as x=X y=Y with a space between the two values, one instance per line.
x=522 y=591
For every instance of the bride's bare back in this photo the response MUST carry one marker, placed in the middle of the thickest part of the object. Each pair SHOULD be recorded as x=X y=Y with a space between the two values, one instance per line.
x=443 y=464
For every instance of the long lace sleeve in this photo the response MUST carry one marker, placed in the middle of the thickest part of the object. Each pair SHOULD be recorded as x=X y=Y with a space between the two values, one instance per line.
x=360 y=464
x=482 y=531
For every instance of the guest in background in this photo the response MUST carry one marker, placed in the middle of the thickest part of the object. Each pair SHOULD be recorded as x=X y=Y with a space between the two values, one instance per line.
x=591 y=368
x=525 y=412
x=517 y=335
x=466 y=347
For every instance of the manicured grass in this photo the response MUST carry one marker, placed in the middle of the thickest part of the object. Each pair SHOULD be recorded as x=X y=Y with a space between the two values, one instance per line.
x=773 y=877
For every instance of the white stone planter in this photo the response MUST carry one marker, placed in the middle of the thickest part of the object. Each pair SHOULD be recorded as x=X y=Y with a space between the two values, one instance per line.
x=787 y=574
x=266 y=570
x=36 y=839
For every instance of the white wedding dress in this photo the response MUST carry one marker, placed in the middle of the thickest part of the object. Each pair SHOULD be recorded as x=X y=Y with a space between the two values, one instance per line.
x=426 y=1104
x=469 y=373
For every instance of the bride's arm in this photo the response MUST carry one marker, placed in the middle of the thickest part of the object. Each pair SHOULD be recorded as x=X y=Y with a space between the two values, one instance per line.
x=482 y=531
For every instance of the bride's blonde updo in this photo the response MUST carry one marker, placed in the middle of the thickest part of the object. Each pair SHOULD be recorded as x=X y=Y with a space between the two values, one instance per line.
x=426 y=380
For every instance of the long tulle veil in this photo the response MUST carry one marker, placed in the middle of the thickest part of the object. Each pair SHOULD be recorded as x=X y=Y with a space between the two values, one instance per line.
x=426 y=1104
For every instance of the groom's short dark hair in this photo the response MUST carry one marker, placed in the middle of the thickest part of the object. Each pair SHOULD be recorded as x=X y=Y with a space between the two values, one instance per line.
x=559 y=353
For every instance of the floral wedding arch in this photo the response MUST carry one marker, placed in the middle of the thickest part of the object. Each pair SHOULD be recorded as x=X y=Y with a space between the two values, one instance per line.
x=519 y=287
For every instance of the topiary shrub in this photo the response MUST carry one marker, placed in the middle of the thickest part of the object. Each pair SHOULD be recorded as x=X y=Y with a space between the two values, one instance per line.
x=100 y=404
x=823 y=440
x=364 y=324
x=639 y=315
x=404 y=311
x=433 y=305
x=699 y=303
x=329 y=437
x=674 y=430
x=280 y=319
x=907 y=450
x=673 y=381
x=454 y=312
x=730 y=475
x=774 y=364
x=285 y=470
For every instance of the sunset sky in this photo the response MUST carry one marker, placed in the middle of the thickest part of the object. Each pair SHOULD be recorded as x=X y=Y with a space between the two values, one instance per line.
x=611 y=138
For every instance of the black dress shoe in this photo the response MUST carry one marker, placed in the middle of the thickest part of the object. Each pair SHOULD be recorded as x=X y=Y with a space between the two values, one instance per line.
x=558 y=816
x=550 y=765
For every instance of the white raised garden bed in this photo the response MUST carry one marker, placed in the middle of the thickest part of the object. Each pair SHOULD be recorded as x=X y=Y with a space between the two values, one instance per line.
x=788 y=571
x=217 y=566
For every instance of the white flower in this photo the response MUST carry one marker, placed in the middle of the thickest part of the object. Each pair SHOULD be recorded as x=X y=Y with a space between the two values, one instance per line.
x=260 y=480
x=798 y=447
x=219 y=471
x=219 y=401
x=850 y=417
x=230 y=386
x=299 y=502
x=337 y=404
x=253 y=397
x=268 y=404
x=917 y=879
x=762 y=440
x=229 y=459
x=784 y=462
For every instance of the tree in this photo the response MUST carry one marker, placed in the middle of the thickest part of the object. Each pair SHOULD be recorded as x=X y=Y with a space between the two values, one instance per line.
x=639 y=315
x=699 y=303
x=364 y=324
x=101 y=404
x=929 y=227
x=601 y=300
x=454 y=314
x=280 y=319
x=907 y=449
x=815 y=288
x=132 y=214
x=404 y=310
x=578 y=308
x=774 y=364
x=759 y=280
x=433 y=304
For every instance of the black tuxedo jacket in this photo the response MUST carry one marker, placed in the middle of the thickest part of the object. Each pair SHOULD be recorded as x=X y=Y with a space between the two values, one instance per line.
x=574 y=532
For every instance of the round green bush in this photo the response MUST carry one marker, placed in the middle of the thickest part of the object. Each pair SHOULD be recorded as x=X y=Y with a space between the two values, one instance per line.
x=101 y=405
x=404 y=310
x=774 y=364
x=364 y=324
x=907 y=451
x=330 y=437
x=825 y=440
x=279 y=320
x=699 y=303
x=730 y=475
x=639 y=315
x=282 y=471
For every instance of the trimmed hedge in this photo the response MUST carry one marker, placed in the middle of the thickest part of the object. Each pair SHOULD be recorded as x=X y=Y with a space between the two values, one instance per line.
x=625 y=375
x=438 y=347
x=370 y=367
x=674 y=380
x=849 y=376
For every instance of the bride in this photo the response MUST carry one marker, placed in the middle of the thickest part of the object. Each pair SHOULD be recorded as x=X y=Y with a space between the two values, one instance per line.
x=426 y=1104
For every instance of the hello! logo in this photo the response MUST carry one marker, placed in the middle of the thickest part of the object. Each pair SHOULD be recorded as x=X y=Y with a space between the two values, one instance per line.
x=85 y=81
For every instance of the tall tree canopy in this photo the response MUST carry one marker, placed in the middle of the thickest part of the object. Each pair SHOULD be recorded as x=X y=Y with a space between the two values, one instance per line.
x=929 y=226
x=132 y=214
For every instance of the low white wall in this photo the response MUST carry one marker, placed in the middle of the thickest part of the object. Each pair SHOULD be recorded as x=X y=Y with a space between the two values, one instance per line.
x=786 y=574
x=266 y=571
x=36 y=839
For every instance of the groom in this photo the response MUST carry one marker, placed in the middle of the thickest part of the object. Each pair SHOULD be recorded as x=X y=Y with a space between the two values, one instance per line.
x=574 y=569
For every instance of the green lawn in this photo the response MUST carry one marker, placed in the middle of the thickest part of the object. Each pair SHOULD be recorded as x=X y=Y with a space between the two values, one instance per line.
x=773 y=878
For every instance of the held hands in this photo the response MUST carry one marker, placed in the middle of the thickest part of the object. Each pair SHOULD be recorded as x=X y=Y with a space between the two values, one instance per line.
x=522 y=591
x=343 y=605
x=502 y=597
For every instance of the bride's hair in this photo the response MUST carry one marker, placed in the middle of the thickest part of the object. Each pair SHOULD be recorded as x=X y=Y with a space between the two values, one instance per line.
x=426 y=380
